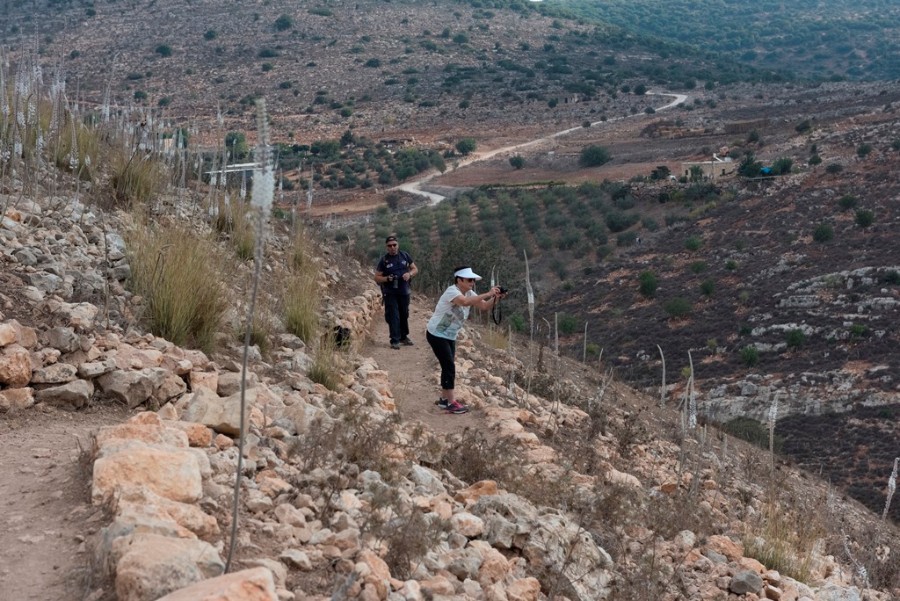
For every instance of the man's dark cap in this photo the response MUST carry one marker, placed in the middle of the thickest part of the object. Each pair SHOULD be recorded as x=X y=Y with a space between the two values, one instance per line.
x=390 y=239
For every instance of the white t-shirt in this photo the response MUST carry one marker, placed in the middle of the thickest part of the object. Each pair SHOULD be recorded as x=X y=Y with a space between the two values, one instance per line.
x=448 y=319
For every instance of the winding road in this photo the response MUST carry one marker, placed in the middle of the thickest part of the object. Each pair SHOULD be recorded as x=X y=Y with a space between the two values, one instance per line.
x=415 y=187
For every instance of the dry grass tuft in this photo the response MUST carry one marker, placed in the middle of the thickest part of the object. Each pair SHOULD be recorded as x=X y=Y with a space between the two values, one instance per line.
x=136 y=179
x=180 y=274
x=328 y=365
x=300 y=306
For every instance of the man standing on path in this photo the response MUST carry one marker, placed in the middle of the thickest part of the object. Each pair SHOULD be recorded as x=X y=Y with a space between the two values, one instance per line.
x=393 y=272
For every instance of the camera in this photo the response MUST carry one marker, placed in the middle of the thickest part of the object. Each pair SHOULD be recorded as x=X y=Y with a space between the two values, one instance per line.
x=503 y=290
x=395 y=280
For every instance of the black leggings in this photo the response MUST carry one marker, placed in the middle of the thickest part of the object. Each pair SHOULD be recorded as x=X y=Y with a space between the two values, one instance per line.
x=445 y=351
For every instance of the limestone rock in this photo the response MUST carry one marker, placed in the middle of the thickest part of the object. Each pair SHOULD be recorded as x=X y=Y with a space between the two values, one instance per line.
x=77 y=394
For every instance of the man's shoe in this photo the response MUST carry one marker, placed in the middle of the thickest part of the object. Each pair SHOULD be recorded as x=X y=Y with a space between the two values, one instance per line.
x=406 y=341
x=395 y=346
x=442 y=403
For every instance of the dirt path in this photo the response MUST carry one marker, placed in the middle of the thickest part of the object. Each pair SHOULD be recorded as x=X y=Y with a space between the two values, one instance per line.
x=45 y=510
x=414 y=373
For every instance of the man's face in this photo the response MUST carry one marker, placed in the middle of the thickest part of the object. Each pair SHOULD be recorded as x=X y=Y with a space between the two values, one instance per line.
x=393 y=247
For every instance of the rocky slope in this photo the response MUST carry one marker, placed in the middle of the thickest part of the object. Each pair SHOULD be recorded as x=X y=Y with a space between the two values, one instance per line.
x=572 y=486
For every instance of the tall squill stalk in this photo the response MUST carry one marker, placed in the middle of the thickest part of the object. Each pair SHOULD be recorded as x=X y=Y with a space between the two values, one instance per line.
x=530 y=295
x=892 y=486
x=262 y=195
x=773 y=417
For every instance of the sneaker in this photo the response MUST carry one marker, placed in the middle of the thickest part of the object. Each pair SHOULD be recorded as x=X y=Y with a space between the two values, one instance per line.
x=406 y=341
x=457 y=408
x=442 y=403
x=395 y=346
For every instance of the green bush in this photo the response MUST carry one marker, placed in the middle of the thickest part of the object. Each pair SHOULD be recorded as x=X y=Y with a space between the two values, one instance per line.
x=707 y=287
x=594 y=156
x=795 y=338
x=678 y=307
x=693 y=243
x=847 y=202
x=750 y=356
x=567 y=324
x=858 y=330
x=752 y=431
x=823 y=233
x=517 y=162
x=466 y=146
x=648 y=284
x=283 y=23
x=865 y=218
x=164 y=50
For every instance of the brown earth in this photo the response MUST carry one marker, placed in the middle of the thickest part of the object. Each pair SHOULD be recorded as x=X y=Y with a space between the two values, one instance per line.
x=47 y=519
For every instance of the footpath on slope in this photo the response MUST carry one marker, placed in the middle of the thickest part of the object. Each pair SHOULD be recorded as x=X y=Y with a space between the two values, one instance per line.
x=414 y=373
x=45 y=508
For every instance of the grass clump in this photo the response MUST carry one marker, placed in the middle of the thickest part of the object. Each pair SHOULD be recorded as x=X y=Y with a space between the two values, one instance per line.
x=136 y=179
x=327 y=365
x=784 y=540
x=300 y=310
x=180 y=275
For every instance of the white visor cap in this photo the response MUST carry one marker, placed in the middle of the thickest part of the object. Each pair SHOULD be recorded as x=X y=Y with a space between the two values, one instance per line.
x=467 y=273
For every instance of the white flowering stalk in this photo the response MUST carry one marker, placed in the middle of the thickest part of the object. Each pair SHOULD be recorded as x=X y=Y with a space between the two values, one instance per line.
x=263 y=192
x=662 y=386
x=692 y=398
x=530 y=292
x=773 y=417
x=892 y=486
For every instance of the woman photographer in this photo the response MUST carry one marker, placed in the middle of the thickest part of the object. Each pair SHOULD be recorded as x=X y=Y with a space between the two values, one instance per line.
x=449 y=316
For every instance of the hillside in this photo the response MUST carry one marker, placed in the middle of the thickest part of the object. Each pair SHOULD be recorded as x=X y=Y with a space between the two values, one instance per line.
x=817 y=39
x=561 y=483
x=164 y=342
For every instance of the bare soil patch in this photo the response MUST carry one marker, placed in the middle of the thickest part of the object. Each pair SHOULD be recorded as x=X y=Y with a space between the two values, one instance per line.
x=46 y=517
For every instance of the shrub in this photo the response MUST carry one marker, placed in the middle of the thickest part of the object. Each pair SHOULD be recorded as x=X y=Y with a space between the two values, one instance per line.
x=180 y=275
x=626 y=239
x=648 y=284
x=795 y=338
x=283 y=23
x=847 y=202
x=749 y=429
x=466 y=146
x=517 y=162
x=750 y=356
x=698 y=266
x=210 y=35
x=678 y=307
x=858 y=330
x=567 y=324
x=372 y=63
x=594 y=156
x=863 y=150
x=164 y=50
x=617 y=221
x=834 y=168
x=731 y=264
x=865 y=218
x=823 y=233
x=693 y=243
x=707 y=287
